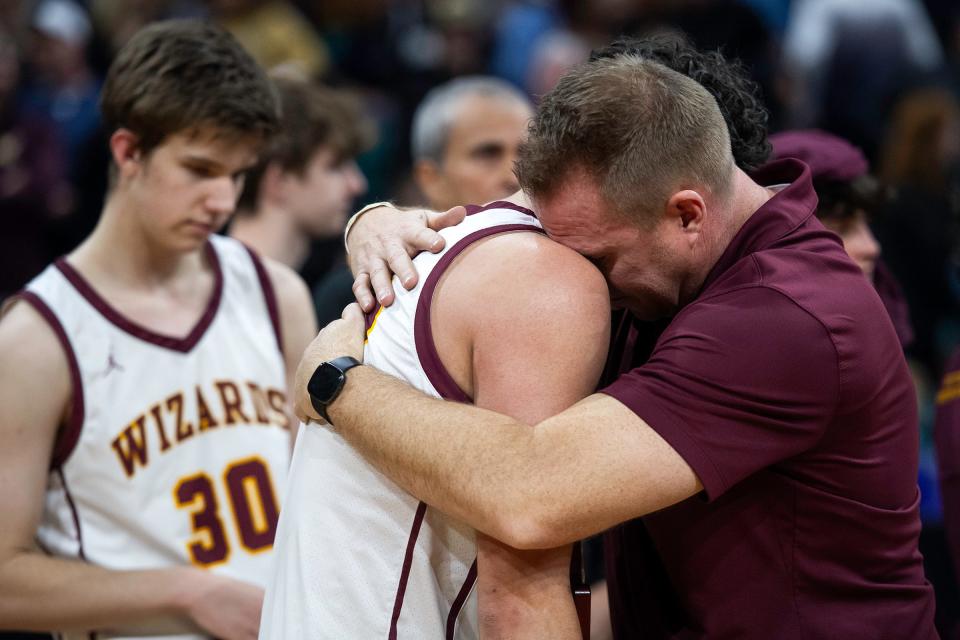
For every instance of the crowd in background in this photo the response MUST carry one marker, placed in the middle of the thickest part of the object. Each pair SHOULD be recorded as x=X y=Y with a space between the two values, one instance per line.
x=882 y=74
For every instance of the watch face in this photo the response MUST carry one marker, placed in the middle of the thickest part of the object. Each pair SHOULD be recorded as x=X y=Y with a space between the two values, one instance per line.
x=325 y=383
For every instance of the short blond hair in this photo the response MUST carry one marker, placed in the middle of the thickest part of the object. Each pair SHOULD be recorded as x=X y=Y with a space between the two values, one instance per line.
x=640 y=129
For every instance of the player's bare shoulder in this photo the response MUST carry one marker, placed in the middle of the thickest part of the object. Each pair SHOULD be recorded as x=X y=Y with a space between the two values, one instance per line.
x=522 y=280
x=34 y=366
x=287 y=283
x=297 y=316
x=537 y=268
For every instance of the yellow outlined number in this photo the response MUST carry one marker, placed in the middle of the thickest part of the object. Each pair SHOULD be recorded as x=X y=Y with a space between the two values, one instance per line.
x=253 y=505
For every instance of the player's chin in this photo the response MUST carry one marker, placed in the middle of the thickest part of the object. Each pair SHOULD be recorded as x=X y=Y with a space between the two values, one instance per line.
x=187 y=242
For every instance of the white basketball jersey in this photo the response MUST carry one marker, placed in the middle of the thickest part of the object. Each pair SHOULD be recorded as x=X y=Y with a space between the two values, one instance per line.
x=357 y=556
x=177 y=450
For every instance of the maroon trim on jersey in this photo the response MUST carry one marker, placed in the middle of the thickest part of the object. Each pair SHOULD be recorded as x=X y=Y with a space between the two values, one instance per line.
x=473 y=209
x=369 y=319
x=443 y=382
x=430 y=361
x=73 y=512
x=460 y=600
x=183 y=345
x=405 y=571
x=269 y=294
x=68 y=436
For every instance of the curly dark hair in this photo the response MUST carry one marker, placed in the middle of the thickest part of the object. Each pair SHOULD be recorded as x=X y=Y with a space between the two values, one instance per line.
x=726 y=80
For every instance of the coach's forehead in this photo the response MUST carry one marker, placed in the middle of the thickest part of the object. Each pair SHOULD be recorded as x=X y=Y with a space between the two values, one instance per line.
x=575 y=212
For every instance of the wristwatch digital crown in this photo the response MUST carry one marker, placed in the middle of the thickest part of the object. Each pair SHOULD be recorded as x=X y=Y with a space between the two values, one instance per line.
x=327 y=381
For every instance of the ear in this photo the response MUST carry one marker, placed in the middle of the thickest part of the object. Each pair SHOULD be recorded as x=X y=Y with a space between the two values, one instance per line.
x=430 y=180
x=126 y=154
x=273 y=183
x=687 y=210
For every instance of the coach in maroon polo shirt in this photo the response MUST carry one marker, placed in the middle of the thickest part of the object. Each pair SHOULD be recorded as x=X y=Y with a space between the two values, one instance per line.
x=769 y=442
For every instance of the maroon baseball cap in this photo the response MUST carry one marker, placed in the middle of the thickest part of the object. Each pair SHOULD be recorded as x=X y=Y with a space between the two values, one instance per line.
x=829 y=157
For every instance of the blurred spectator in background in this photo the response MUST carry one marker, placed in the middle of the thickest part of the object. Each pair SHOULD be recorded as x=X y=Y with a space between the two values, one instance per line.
x=34 y=191
x=837 y=83
x=731 y=26
x=465 y=139
x=554 y=54
x=919 y=235
x=920 y=159
x=275 y=33
x=61 y=84
x=534 y=43
x=117 y=20
x=305 y=183
x=946 y=433
x=15 y=16
x=464 y=142
x=516 y=34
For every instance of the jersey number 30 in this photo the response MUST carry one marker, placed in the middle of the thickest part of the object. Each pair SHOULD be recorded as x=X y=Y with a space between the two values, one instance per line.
x=252 y=504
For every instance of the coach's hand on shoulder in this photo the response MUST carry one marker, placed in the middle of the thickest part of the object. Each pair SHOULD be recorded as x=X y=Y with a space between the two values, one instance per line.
x=343 y=337
x=222 y=607
x=383 y=241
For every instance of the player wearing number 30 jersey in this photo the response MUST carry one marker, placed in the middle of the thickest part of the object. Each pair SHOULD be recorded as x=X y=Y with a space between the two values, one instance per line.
x=176 y=450
x=144 y=438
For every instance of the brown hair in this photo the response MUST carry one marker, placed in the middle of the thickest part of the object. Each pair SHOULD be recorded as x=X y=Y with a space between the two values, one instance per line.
x=180 y=75
x=840 y=200
x=911 y=153
x=728 y=81
x=639 y=128
x=312 y=117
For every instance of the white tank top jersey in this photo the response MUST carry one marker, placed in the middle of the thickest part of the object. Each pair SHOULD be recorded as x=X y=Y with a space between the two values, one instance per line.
x=176 y=451
x=357 y=556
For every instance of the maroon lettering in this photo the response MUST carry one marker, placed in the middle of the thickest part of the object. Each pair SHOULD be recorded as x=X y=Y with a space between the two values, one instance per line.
x=158 y=420
x=278 y=401
x=175 y=405
x=253 y=502
x=196 y=489
x=131 y=446
x=260 y=403
x=205 y=419
x=230 y=397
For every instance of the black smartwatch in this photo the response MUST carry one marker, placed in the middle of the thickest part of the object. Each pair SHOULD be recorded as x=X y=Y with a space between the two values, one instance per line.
x=327 y=381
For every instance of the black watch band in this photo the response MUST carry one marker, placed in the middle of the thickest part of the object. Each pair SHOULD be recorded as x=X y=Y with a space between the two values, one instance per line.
x=327 y=381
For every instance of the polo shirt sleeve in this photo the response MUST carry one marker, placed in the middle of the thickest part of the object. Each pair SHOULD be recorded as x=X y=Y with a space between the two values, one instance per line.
x=737 y=383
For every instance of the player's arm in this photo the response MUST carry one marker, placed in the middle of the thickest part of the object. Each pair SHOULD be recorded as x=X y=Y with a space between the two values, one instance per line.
x=39 y=592
x=298 y=319
x=536 y=317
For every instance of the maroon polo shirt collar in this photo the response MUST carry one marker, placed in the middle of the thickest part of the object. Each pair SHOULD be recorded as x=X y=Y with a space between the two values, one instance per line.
x=788 y=209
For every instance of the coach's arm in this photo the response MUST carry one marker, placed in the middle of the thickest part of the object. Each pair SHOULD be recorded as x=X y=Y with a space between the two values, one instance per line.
x=572 y=475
